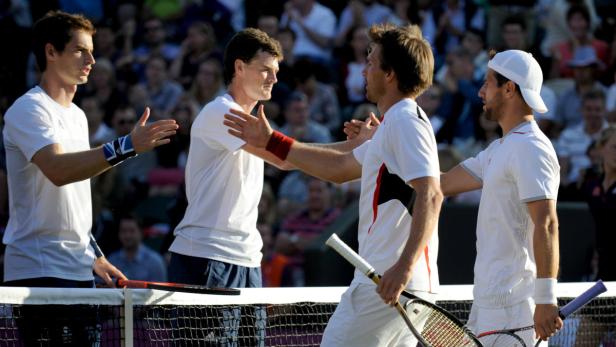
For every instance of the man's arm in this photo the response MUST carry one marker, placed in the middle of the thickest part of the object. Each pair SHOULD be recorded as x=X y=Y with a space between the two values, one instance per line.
x=425 y=218
x=316 y=160
x=63 y=168
x=458 y=180
x=546 y=250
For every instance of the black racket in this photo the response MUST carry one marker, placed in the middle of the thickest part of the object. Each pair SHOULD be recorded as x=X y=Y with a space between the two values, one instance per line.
x=509 y=337
x=177 y=287
x=432 y=325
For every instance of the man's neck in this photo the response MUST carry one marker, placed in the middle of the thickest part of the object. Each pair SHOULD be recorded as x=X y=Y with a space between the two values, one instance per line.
x=388 y=100
x=246 y=103
x=512 y=119
x=61 y=93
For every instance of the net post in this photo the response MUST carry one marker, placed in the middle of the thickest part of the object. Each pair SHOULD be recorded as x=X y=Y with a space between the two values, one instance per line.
x=128 y=318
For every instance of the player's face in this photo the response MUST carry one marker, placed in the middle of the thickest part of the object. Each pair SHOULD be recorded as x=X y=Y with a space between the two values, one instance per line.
x=374 y=75
x=491 y=95
x=73 y=65
x=259 y=76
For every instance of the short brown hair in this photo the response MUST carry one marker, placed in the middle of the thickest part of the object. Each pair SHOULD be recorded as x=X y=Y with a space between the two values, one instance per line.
x=56 y=27
x=244 y=45
x=407 y=53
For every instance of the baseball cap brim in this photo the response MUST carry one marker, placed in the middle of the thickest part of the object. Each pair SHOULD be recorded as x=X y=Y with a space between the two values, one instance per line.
x=534 y=100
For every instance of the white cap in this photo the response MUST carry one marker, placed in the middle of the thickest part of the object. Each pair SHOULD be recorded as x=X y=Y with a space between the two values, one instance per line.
x=521 y=68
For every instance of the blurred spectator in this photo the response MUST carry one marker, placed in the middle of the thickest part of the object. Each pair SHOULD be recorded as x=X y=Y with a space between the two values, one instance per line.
x=155 y=43
x=163 y=9
x=415 y=12
x=99 y=131
x=134 y=171
x=136 y=260
x=162 y=92
x=286 y=37
x=584 y=64
x=208 y=83
x=218 y=13
x=453 y=18
x=601 y=196
x=298 y=123
x=430 y=102
x=323 y=106
x=473 y=42
x=578 y=21
x=102 y=86
x=555 y=23
x=175 y=154
x=354 y=81
x=515 y=36
x=292 y=194
x=105 y=44
x=546 y=121
x=610 y=101
x=199 y=45
x=314 y=26
x=298 y=231
x=499 y=10
x=268 y=23
x=362 y=13
x=461 y=103
x=92 y=9
x=573 y=143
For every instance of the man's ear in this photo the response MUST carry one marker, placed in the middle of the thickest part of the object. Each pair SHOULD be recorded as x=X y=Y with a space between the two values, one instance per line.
x=510 y=88
x=239 y=66
x=50 y=52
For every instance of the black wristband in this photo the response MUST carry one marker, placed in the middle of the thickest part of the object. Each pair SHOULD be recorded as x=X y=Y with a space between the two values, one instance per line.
x=119 y=150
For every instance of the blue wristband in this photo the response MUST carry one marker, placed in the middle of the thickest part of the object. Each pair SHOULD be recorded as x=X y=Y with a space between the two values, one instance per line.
x=119 y=150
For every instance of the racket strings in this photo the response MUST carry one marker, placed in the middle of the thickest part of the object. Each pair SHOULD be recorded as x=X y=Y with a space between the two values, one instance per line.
x=436 y=328
x=502 y=340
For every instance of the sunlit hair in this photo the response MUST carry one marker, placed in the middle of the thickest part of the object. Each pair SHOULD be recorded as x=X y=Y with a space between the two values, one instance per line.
x=245 y=45
x=56 y=28
x=406 y=53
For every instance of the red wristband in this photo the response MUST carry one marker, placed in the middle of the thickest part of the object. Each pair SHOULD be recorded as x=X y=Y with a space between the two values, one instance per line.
x=279 y=144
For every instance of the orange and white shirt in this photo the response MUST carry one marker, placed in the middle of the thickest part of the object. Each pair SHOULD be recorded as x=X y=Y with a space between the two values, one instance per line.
x=402 y=149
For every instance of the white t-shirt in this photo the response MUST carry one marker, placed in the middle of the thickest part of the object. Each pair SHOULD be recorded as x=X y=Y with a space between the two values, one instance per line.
x=223 y=187
x=519 y=168
x=402 y=149
x=49 y=226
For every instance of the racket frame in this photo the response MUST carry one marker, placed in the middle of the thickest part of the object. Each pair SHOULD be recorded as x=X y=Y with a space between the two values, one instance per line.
x=177 y=287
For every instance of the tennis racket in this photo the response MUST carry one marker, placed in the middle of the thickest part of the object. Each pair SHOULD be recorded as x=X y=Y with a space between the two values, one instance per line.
x=432 y=325
x=509 y=337
x=176 y=287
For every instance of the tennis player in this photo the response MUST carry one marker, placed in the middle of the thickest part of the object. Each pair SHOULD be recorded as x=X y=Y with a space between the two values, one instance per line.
x=49 y=163
x=400 y=195
x=517 y=226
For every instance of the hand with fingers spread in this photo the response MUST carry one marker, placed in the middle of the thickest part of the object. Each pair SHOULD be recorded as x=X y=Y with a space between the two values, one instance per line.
x=255 y=131
x=361 y=130
x=107 y=271
x=393 y=282
x=547 y=321
x=146 y=137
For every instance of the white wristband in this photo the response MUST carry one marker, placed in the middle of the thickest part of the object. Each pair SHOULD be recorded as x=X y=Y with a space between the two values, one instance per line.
x=545 y=291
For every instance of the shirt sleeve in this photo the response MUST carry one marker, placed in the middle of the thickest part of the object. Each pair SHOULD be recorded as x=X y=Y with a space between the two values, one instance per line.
x=411 y=149
x=30 y=127
x=536 y=172
x=476 y=165
x=214 y=132
x=360 y=152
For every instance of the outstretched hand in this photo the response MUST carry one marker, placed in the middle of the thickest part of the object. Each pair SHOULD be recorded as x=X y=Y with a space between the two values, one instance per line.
x=361 y=130
x=146 y=137
x=255 y=131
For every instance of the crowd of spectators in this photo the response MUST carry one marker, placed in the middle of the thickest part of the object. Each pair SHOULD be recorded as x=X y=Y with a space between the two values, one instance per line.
x=168 y=55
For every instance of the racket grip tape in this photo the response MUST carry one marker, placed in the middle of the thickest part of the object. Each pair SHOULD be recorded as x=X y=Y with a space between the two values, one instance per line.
x=351 y=256
x=583 y=299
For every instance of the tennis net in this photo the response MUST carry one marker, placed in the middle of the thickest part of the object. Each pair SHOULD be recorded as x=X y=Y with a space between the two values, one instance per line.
x=258 y=317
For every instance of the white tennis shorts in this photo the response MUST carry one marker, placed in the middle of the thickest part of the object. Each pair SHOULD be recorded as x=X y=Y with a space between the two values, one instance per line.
x=363 y=319
x=520 y=315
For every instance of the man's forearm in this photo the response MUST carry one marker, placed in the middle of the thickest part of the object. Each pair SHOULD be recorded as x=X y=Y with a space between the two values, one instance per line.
x=546 y=249
x=324 y=163
x=425 y=218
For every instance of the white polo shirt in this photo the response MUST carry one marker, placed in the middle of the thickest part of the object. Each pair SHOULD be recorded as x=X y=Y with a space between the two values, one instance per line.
x=49 y=226
x=519 y=168
x=223 y=187
x=402 y=149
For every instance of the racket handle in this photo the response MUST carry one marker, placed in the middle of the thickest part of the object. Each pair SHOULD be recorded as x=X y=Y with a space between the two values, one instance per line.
x=583 y=299
x=120 y=283
x=350 y=255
